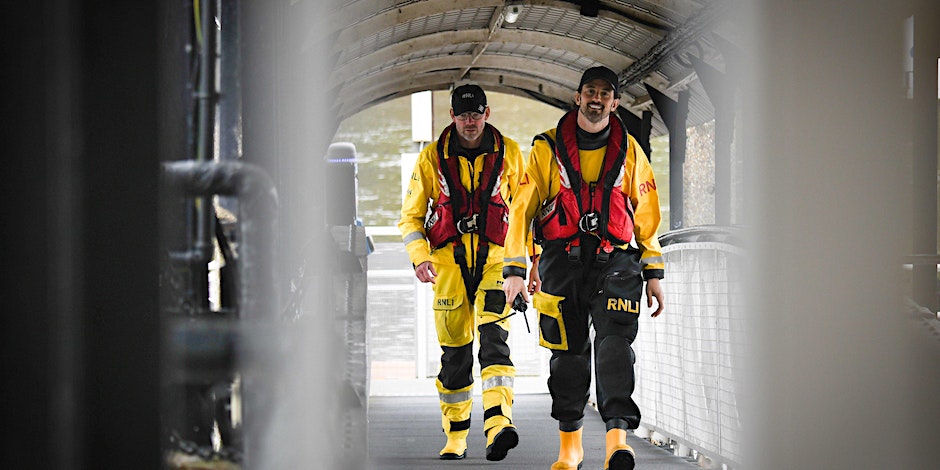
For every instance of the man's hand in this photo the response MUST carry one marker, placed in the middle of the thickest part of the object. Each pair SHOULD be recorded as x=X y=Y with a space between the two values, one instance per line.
x=513 y=286
x=653 y=289
x=535 y=282
x=425 y=272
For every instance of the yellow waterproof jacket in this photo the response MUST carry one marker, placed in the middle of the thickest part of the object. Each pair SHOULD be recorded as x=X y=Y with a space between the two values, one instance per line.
x=541 y=184
x=424 y=189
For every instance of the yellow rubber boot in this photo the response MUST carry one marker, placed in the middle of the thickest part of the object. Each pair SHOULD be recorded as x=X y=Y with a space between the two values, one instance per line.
x=620 y=456
x=499 y=440
x=570 y=451
x=456 y=447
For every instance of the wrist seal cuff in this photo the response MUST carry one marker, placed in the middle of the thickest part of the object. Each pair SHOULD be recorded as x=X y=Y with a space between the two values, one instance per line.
x=513 y=271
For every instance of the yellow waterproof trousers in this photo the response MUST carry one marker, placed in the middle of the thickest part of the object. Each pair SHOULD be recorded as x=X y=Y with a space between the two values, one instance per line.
x=458 y=322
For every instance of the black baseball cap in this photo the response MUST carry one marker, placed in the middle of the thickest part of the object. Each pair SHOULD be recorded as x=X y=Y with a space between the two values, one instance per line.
x=604 y=74
x=468 y=98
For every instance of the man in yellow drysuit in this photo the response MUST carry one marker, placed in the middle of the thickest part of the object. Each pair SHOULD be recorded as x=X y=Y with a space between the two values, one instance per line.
x=453 y=222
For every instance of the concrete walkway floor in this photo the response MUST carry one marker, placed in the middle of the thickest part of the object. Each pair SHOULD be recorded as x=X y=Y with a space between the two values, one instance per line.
x=405 y=433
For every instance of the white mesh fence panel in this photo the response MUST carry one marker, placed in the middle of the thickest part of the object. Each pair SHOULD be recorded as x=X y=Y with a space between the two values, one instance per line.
x=688 y=359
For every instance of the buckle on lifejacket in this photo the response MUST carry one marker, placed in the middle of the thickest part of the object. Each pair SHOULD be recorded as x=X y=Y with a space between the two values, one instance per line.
x=574 y=251
x=589 y=222
x=604 y=251
x=468 y=224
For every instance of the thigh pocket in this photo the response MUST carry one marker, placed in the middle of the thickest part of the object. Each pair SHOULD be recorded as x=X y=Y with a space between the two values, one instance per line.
x=551 y=324
x=621 y=296
x=454 y=323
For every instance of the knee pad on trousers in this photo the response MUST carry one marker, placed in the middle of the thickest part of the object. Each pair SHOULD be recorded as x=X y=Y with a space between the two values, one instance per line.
x=610 y=353
x=571 y=369
x=568 y=383
x=494 y=349
x=456 y=367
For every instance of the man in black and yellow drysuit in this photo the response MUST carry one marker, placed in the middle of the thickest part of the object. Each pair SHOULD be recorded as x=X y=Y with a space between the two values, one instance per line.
x=453 y=223
x=590 y=191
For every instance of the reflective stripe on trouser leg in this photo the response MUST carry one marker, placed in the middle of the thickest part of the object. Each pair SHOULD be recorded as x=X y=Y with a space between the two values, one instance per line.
x=497 y=396
x=455 y=410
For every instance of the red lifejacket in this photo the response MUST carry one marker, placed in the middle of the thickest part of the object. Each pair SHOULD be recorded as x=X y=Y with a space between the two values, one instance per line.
x=580 y=207
x=458 y=211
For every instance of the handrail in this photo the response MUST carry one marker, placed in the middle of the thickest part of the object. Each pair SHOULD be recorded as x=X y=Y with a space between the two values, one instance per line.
x=732 y=235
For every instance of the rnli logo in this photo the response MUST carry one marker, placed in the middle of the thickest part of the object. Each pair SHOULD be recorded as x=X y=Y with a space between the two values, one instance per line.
x=623 y=305
x=430 y=223
x=647 y=187
x=546 y=210
x=445 y=303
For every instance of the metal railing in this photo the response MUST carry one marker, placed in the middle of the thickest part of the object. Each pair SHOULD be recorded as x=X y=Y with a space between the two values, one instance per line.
x=689 y=360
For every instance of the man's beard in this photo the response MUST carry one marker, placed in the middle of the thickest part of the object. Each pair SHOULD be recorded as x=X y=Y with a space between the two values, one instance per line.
x=470 y=134
x=592 y=115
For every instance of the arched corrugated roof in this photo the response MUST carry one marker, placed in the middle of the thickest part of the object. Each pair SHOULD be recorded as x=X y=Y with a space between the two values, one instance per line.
x=384 y=49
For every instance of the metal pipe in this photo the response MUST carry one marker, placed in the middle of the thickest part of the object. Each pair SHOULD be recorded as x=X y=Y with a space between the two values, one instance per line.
x=230 y=65
x=252 y=337
x=258 y=202
x=229 y=109
x=206 y=96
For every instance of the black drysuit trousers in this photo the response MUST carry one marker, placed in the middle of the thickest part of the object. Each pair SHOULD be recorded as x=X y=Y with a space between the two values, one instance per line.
x=603 y=293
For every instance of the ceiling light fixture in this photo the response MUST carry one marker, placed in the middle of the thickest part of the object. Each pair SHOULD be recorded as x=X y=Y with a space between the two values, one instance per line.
x=512 y=11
